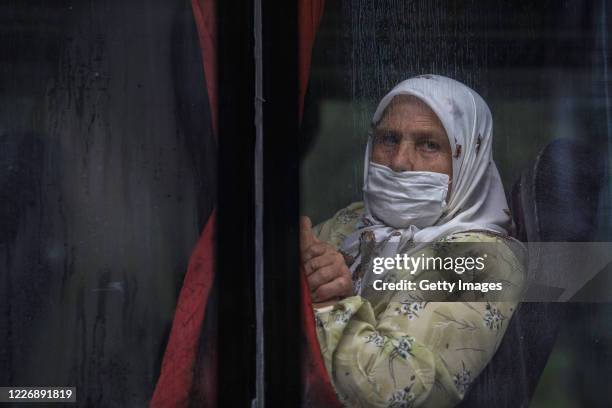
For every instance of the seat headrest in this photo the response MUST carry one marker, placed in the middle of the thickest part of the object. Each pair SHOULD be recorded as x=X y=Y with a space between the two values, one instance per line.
x=556 y=200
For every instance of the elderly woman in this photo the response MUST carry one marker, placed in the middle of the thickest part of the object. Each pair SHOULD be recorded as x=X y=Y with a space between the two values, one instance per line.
x=429 y=180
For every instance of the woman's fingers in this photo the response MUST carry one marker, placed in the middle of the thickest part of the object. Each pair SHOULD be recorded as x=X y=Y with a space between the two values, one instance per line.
x=306 y=235
x=318 y=262
x=339 y=287
x=315 y=250
x=325 y=269
x=322 y=276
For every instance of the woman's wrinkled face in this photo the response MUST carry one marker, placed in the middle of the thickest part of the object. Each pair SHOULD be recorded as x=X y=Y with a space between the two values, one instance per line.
x=410 y=137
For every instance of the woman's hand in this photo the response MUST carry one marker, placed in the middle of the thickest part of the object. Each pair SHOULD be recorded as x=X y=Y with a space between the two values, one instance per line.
x=328 y=276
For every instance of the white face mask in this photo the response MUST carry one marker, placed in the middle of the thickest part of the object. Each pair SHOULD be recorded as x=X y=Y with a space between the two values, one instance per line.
x=407 y=198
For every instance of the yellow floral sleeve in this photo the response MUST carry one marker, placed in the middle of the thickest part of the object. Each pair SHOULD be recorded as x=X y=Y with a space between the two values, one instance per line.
x=389 y=351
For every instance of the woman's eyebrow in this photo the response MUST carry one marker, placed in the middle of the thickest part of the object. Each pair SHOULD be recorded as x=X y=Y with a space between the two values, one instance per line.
x=420 y=134
x=381 y=128
x=430 y=134
x=384 y=130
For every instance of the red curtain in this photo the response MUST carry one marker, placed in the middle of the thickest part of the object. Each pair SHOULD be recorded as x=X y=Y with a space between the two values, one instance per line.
x=177 y=379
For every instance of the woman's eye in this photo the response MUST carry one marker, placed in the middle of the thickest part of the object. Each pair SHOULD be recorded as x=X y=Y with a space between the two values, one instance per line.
x=387 y=139
x=429 y=146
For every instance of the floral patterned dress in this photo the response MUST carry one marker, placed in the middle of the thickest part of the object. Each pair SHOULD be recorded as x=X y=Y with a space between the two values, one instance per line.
x=392 y=350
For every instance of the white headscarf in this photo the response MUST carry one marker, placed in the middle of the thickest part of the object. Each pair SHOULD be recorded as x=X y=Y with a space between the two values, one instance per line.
x=477 y=200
